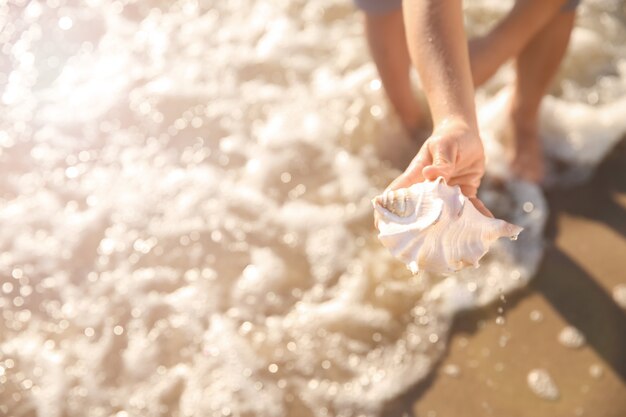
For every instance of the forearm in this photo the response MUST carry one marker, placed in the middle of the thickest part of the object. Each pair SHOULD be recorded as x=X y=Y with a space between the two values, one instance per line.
x=438 y=49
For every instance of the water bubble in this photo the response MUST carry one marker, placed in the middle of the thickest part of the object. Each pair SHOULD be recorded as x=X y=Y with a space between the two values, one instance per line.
x=571 y=337
x=71 y=172
x=66 y=23
x=528 y=207
x=216 y=236
x=297 y=191
x=596 y=371
x=180 y=124
x=18 y=301
x=619 y=295
x=7 y=287
x=285 y=177
x=536 y=315
x=33 y=10
x=451 y=370
x=542 y=385
x=419 y=311
x=196 y=122
x=353 y=360
x=273 y=368
x=375 y=84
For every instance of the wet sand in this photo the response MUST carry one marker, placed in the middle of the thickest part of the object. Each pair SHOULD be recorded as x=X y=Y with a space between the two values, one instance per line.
x=585 y=259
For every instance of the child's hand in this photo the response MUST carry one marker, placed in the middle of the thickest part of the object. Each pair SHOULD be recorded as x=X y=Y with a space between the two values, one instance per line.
x=455 y=152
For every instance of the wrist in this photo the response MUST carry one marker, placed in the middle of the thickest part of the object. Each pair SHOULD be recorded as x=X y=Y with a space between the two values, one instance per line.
x=457 y=124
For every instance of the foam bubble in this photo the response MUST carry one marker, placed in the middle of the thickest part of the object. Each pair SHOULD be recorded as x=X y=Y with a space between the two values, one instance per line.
x=619 y=295
x=596 y=371
x=571 y=337
x=542 y=385
x=185 y=215
x=451 y=370
x=536 y=316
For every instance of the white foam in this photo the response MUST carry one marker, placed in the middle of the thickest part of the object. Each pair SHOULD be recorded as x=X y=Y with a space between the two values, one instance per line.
x=619 y=295
x=542 y=385
x=571 y=337
x=596 y=371
x=184 y=215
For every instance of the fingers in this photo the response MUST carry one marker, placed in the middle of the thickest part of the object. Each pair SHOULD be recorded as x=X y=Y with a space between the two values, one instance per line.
x=480 y=206
x=444 y=155
x=469 y=182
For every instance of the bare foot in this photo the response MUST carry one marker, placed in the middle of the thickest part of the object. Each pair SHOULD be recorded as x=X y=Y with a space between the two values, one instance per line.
x=527 y=151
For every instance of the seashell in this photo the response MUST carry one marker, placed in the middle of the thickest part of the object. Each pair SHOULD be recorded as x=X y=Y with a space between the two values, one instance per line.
x=433 y=227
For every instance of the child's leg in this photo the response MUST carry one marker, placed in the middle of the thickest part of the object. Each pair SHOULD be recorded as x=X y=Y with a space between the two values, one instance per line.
x=510 y=36
x=535 y=67
x=387 y=42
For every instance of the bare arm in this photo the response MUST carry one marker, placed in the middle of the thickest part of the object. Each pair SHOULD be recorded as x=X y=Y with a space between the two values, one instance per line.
x=438 y=49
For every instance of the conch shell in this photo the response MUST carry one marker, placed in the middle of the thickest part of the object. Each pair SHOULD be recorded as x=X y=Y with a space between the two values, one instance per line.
x=433 y=227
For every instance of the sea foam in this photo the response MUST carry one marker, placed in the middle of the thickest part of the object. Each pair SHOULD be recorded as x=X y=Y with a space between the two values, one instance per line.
x=185 y=213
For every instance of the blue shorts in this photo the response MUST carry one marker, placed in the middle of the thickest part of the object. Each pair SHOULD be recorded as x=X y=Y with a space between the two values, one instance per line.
x=388 y=6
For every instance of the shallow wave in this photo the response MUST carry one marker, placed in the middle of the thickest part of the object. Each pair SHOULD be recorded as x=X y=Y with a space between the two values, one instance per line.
x=185 y=207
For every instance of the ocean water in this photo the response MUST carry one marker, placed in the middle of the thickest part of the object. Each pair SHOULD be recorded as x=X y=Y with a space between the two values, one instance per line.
x=185 y=217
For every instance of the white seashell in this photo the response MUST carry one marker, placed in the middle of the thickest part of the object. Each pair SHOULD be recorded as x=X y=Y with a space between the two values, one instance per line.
x=432 y=226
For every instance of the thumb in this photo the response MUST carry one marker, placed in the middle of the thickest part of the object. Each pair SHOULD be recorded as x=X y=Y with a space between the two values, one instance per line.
x=444 y=158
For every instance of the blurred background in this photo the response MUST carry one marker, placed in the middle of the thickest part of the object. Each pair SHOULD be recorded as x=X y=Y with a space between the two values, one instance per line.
x=186 y=226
